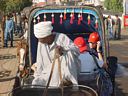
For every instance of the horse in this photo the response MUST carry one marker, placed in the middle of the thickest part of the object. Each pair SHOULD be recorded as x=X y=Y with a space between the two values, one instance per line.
x=22 y=52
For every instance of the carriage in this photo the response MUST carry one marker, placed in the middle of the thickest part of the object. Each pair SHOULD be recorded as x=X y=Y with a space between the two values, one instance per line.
x=74 y=21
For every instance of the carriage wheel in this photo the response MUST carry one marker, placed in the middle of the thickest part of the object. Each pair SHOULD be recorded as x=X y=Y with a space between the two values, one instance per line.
x=82 y=91
x=99 y=85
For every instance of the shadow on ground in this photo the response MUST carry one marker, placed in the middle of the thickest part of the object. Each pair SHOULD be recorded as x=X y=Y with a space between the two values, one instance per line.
x=119 y=91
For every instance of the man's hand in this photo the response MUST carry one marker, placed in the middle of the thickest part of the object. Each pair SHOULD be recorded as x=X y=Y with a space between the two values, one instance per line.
x=105 y=65
x=10 y=30
x=59 y=50
x=98 y=46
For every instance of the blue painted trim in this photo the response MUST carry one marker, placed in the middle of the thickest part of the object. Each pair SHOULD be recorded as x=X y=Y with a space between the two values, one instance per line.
x=69 y=10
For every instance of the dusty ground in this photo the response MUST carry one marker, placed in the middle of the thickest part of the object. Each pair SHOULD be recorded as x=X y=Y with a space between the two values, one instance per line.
x=119 y=48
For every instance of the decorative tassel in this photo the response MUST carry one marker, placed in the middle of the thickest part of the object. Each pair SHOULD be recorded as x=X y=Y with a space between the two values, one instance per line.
x=79 y=19
x=71 y=19
x=73 y=16
x=38 y=18
x=61 y=18
x=53 y=21
x=34 y=21
x=44 y=17
x=65 y=14
x=96 y=24
x=89 y=21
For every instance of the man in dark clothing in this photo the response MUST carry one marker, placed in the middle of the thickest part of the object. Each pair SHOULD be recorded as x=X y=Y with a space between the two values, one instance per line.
x=117 y=33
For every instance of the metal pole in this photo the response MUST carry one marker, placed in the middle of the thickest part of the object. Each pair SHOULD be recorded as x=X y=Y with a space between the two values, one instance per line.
x=124 y=7
x=124 y=13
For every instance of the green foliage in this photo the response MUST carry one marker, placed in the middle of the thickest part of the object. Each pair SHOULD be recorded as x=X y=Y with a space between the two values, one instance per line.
x=2 y=5
x=14 y=5
x=114 y=5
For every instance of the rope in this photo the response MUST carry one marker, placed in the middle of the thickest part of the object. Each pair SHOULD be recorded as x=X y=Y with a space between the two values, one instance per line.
x=53 y=64
x=56 y=56
x=60 y=74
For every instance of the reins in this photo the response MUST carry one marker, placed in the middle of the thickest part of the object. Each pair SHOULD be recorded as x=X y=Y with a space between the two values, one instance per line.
x=56 y=56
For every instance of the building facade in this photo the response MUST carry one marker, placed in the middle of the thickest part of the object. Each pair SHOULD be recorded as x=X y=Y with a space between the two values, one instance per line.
x=95 y=2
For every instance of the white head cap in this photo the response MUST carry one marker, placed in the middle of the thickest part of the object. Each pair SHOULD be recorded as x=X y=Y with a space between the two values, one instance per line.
x=43 y=29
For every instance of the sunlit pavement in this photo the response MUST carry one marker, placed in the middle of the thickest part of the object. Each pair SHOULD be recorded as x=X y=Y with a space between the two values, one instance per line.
x=8 y=68
x=119 y=48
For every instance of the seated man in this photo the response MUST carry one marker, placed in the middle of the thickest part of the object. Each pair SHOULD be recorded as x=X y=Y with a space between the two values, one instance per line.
x=48 y=42
x=88 y=66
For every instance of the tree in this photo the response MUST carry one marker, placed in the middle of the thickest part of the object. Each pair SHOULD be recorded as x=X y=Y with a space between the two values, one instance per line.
x=13 y=5
x=17 y=5
x=2 y=5
x=114 y=5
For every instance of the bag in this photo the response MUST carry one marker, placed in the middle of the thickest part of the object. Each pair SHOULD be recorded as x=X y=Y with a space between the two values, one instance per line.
x=104 y=82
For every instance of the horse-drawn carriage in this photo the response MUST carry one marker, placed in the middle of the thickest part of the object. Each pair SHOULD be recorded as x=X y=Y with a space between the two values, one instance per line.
x=73 y=21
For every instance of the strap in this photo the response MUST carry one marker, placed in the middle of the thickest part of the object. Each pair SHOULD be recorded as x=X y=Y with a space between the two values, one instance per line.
x=56 y=56
x=60 y=74
x=96 y=62
x=53 y=64
x=94 y=58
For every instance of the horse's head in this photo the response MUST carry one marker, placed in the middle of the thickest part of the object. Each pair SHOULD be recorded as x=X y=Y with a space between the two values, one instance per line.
x=21 y=44
x=22 y=50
